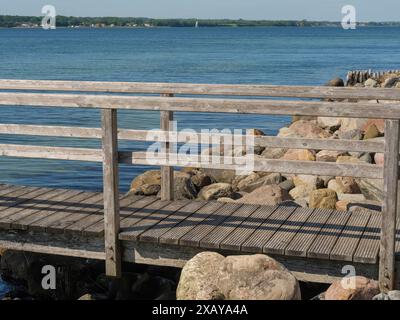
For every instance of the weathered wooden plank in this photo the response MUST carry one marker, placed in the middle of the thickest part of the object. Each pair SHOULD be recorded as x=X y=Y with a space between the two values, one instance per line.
x=8 y=190
x=203 y=89
x=143 y=213
x=74 y=204
x=111 y=192
x=263 y=165
x=348 y=241
x=238 y=106
x=389 y=206
x=89 y=219
x=30 y=207
x=216 y=236
x=72 y=214
x=237 y=239
x=19 y=199
x=328 y=236
x=368 y=247
x=126 y=211
x=61 y=201
x=256 y=242
x=48 y=249
x=134 y=231
x=287 y=231
x=167 y=172
x=307 y=233
x=42 y=152
x=203 y=138
x=194 y=236
x=175 y=234
x=152 y=235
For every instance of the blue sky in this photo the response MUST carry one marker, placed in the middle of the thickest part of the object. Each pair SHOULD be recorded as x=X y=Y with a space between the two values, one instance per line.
x=367 y=10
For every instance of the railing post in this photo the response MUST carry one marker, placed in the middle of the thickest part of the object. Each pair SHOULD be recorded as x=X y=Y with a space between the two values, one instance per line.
x=167 y=172
x=389 y=208
x=111 y=192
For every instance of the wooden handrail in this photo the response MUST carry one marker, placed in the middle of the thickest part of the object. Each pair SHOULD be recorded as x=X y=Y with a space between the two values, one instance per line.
x=204 y=89
x=215 y=105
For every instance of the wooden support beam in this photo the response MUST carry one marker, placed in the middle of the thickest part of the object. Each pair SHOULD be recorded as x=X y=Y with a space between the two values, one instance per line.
x=111 y=193
x=167 y=172
x=388 y=236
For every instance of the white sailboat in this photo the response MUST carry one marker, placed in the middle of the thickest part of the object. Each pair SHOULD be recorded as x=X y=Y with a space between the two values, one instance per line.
x=197 y=24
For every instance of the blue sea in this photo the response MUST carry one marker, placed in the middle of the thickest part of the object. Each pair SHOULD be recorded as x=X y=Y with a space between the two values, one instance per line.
x=286 y=56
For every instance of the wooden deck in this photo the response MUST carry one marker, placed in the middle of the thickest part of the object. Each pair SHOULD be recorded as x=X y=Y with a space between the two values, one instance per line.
x=280 y=230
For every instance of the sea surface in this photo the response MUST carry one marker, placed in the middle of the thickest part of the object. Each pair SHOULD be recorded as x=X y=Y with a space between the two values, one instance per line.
x=285 y=55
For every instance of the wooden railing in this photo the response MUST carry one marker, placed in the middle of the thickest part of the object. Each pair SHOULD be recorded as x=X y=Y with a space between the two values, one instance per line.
x=212 y=99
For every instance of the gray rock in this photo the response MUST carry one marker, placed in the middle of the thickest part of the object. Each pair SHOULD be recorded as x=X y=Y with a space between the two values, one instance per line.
x=355 y=134
x=216 y=191
x=287 y=185
x=394 y=295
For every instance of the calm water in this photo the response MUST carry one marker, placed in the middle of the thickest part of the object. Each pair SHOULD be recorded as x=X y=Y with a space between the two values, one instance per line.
x=204 y=55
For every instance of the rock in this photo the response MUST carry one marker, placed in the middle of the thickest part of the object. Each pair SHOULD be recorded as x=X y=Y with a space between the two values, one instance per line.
x=152 y=177
x=379 y=159
x=87 y=297
x=372 y=189
x=378 y=123
x=150 y=181
x=183 y=186
x=299 y=155
x=266 y=195
x=148 y=190
x=371 y=132
x=256 y=277
x=308 y=129
x=255 y=132
x=287 y=185
x=336 y=82
x=342 y=205
x=329 y=122
x=254 y=182
x=215 y=191
x=240 y=183
x=198 y=279
x=301 y=192
x=314 y=182
x=273 y=153
x=371 y=83
x=226 y=200
x=349 y=124
x=394 y=295
x=224 y=176
x=364 y=289
x=365 y=157
x=201 y=180
x=334 y=185
x=210 y=276
x=391 y=82
x=348 y=185
x=323 y=199
x=382 y=297
x=329 y=155
x=305 y=118
x=355 y=134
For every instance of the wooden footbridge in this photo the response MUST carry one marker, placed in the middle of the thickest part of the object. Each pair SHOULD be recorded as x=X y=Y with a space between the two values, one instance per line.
x=314 y=244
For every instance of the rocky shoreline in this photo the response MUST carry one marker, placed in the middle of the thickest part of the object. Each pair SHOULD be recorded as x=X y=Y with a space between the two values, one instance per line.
x=245 y=277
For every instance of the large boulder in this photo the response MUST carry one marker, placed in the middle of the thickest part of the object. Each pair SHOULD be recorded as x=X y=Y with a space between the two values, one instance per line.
x=266 y=195
x=323 y=199
x=273 y=153
x=329 y=155
x=198 y=279
x=210 y=276
x=215 y=191
x=224 y=176
x=336 y=82
x=152 y=177
x=356 y=288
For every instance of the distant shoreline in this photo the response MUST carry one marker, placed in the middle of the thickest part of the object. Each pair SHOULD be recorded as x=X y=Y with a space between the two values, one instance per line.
x=7 y=21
